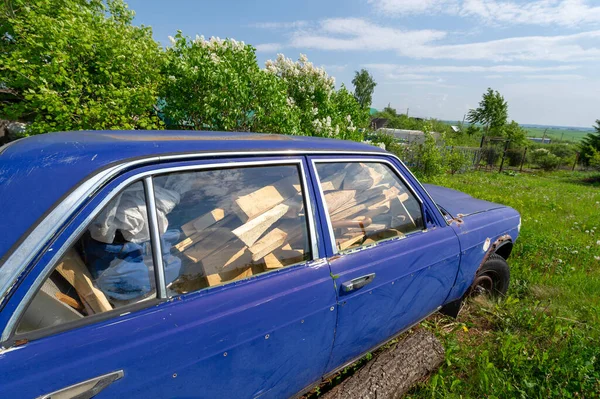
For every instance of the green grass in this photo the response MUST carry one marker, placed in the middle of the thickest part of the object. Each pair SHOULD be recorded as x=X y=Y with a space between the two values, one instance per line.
x=543 y=339
x=557 y=134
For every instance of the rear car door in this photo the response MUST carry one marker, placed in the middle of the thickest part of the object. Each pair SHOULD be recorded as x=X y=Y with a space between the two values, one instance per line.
x=193 y=279
x=393 y=259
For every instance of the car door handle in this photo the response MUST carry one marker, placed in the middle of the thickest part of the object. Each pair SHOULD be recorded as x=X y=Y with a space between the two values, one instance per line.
x=86 y=389
x=357 y=283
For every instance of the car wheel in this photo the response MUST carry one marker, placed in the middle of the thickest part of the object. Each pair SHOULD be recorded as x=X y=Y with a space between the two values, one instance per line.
x=493 y=278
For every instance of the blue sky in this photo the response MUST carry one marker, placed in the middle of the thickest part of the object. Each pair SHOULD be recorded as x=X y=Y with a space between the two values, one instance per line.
x=435 y=57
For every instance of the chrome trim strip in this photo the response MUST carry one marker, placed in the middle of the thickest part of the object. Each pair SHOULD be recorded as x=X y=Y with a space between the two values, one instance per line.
x=30 y=247
x=75 y=390
x=11 y=325
x=312 y=231
x=366 y=160
x=159 y=271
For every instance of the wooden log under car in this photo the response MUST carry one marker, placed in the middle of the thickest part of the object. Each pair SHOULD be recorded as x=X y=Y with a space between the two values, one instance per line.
x=393 y=371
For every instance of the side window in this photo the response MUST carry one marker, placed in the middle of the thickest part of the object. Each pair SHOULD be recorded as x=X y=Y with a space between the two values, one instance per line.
x=367 y=202
x=108 y=267
x=223 y=225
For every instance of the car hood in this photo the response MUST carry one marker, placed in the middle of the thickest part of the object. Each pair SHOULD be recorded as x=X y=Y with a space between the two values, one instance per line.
x=457 y=203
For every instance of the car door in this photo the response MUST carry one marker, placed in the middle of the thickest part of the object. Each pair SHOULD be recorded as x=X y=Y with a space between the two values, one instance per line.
x=165 y=300
x=393 y=260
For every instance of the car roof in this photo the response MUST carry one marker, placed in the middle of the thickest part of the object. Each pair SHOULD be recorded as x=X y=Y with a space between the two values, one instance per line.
x=36 y=172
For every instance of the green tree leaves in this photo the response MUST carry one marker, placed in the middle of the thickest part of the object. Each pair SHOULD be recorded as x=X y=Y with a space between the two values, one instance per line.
x=590 y=147
x=72 y=65
x=491 y=113
x=364 y=85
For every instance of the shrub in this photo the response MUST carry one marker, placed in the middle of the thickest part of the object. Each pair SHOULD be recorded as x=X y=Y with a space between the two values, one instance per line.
x=544 y=159
x=457 y=161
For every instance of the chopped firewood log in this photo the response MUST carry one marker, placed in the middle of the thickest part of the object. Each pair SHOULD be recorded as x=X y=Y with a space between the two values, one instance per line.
x=76 y=273
x=232 y=255
x=200 y=235
x=283 y=257
x=336 y=199
x=202 y=222
x=64 y=298
x=348 y=213
x=361 y=177
x=252 y=230
x=235 y=274
x=209 y=244
x=369 y=228
x=253 y=205
x=271 y=241
x=333 y=182
x=343 y=245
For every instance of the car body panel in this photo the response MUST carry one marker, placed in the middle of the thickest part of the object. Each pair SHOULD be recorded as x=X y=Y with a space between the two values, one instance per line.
x=457 y=203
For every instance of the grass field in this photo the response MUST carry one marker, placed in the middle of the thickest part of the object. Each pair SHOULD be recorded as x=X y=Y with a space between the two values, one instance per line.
x=543 y=339
x=557 y=134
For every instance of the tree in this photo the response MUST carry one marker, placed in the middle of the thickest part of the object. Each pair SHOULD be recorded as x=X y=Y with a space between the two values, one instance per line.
x=364 y=85
x=515 y=133
x=590 y=145
x=217 y=85
x=491 y=113
x=74 y=64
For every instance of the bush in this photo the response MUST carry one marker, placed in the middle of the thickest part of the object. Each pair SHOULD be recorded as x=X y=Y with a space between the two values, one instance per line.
x=544 y=159
x=457 y=161
x=514 y=157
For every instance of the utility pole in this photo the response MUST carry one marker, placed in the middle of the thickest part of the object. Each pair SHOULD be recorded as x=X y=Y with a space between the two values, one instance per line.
x=544 y=136
x=561 y=136
x=407 y=112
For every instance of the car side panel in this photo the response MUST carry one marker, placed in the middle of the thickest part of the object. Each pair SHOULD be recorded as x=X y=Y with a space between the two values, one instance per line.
x=477 y=234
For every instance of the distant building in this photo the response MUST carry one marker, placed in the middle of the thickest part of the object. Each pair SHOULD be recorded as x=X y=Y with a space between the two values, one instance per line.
x=540 y=140
x=378 y=123
x=455 y=128
x=408 y=136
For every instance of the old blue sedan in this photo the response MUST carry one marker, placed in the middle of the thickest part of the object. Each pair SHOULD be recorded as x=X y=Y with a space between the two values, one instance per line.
x=222 y=265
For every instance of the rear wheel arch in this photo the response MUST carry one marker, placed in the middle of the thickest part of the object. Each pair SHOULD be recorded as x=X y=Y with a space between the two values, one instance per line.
x=504 y=249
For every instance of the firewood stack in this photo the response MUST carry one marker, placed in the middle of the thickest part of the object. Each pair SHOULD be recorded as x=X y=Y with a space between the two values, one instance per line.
x=262 y=230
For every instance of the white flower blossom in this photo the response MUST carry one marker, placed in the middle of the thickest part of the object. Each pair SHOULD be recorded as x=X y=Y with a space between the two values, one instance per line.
x=597 y=257
x=172 y=40
x=215 y=58
x=315 y=111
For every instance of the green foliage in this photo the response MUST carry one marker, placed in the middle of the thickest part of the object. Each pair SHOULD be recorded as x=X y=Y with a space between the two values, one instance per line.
x=71 y=64
x=429 y=156
x=516 y=134
x=364 y=85
x=541 y=341
x=594 y=159
x=544 y=159
x=456 y=161
x=217 y=85
x=590 y=144
x=491 y=113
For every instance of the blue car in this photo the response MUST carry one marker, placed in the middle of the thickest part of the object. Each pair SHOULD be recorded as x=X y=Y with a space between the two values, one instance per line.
x=222 y=265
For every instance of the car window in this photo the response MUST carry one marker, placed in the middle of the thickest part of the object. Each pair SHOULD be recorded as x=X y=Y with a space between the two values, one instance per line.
x=367 y=203
x=230 y=224
x=108 y=267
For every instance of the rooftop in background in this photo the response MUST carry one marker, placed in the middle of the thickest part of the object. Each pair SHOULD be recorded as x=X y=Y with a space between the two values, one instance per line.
x=37 y=171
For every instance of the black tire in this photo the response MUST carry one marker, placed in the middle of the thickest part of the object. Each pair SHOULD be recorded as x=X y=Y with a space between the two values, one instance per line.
x=493 y=278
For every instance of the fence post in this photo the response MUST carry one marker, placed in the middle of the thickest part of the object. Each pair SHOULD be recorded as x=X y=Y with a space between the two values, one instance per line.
x=523 y=159
x=504 y=155
x=576 y=160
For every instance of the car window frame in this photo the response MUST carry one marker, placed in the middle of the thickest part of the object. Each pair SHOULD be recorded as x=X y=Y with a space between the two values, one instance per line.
x=10 y=337
x=358 y=159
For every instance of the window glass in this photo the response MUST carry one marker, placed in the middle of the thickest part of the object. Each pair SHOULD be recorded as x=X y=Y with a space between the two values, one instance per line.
x=110 y=266
x=230 y=224
x=367 y=203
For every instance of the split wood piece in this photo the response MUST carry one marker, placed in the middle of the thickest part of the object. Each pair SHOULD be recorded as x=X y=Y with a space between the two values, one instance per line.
x=348 y=213
x=76 y=273
x=297 y=234
x=202 y=222
x=64 y=298
x=233 y=255
x=209 y=244
x=235 y=274
x=252 y=230
x=253 y=205
x=283 y=257
x=399 y=210
x=361 y=177
x=369 y=228
x=337 y=199
x=333 y=182
x=270 y=242
x=199 y=236
x=296 y=205
x=371 y=197
x=343 y=245
x=393 y=371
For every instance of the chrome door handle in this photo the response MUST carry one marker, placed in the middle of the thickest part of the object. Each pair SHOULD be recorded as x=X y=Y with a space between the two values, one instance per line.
x=86 y=389
x=357 y=283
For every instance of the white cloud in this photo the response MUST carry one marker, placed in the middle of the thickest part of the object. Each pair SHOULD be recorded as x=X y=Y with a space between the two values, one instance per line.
x=569 y=13
x=395 y=68
x=361 y=35
x=568 y=77
x=334 y=67
x=540 y=12
x=279 y=25
x=268 y=47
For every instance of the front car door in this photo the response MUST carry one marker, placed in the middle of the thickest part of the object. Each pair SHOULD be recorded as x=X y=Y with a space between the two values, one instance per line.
x=394 y=261
x=193 y=279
